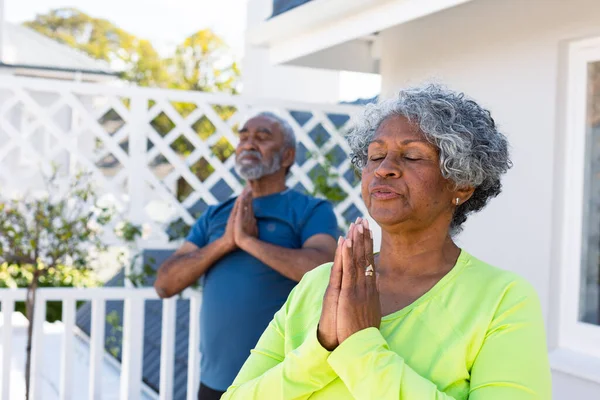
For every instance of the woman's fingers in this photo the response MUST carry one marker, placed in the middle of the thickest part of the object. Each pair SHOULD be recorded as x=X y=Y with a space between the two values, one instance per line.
x=348 y=270
x=335 y=277
x=358 y=252
x=327 y=328
x=369 y=257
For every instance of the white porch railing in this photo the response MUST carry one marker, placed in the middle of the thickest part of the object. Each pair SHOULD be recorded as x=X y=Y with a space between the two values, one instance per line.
x=131 y=355
x=162 y=155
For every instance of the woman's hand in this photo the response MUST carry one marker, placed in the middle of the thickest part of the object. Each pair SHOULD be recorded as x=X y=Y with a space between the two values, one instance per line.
x=358 y=303
x=327 y=330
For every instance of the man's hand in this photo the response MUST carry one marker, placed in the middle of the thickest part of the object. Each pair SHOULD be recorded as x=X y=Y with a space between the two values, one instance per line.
x=229 y=235
x=245 y=222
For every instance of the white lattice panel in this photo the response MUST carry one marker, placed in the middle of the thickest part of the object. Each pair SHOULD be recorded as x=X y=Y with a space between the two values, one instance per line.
x=161 y=155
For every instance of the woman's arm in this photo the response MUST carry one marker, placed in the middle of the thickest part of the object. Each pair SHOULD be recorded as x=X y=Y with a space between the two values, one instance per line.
x=512 y=362
x=271 y=373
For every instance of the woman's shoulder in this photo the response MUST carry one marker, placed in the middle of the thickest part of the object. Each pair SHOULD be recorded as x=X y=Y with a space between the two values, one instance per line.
x=480 y=275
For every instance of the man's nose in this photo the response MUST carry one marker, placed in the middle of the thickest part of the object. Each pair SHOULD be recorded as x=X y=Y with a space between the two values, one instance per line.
x=247 y=144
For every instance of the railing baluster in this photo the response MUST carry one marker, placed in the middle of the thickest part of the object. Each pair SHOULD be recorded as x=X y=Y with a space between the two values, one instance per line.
x=167 y=351
x=66 y=365
x=8 y=307
x=37 y=347
x=133 y=345
x=97 y=348
x=194 y=348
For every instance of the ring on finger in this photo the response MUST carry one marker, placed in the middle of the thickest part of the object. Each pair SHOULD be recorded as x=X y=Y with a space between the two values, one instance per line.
x=369 y=270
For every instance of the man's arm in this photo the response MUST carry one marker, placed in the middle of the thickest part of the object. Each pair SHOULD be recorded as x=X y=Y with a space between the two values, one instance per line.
x=186 y=265
x=190 y=262
x=292 y=263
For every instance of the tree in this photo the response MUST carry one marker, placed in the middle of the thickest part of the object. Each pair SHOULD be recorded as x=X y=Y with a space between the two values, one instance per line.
x=203 y=62
x=102 y=40
x=40 y=236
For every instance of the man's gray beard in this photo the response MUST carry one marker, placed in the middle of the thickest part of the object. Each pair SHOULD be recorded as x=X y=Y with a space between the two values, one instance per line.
x=252 y=172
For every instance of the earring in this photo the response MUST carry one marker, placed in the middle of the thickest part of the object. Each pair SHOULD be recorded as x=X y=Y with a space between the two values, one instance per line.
x=457 y=201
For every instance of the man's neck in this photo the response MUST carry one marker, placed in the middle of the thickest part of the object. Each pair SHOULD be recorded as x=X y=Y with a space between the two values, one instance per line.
x=270 y=184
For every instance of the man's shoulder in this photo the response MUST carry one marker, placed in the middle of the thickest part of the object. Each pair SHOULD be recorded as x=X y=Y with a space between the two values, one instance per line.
x=218 y=208
x=305 y=201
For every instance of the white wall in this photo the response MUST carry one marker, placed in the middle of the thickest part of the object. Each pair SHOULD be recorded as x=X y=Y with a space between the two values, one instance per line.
x=262 y=79
x=508 y=55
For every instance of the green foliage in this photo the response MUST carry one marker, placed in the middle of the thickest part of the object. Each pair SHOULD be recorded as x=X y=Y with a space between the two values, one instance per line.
x=102 y=40
x=325 y=179
x=112 y=344
x=201 y=63
x=57 y=228
x=20 y=276
x=129 y=232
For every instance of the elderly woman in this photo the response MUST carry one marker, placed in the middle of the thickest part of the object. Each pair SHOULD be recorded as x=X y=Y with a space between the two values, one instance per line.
x=422 y=319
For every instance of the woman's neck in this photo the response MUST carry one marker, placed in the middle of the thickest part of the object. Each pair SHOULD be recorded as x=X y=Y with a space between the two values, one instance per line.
x=413 y=255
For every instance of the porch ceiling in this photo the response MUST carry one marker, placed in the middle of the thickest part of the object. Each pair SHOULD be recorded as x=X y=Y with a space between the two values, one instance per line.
x=323 y=24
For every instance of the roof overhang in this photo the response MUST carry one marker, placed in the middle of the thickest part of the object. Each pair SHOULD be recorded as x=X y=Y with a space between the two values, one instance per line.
x=294 y=36
x=59 y=73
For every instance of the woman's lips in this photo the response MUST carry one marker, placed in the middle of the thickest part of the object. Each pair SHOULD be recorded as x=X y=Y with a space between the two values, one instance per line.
x=384 y=195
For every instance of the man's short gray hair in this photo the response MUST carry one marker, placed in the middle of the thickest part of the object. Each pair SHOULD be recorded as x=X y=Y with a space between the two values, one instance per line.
x=472 y=150
x=289 y=138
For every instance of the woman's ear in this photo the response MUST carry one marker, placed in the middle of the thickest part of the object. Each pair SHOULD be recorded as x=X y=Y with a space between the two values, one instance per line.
x=463 y=194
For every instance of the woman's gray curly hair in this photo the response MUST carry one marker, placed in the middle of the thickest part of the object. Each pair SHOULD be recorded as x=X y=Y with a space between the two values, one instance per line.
x=472 y=150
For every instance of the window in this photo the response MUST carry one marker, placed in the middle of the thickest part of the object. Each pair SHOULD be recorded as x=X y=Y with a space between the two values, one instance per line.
x=579 y=231
x=589 y=303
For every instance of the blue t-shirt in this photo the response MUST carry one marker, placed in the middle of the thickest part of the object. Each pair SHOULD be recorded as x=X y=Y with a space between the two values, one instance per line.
x=240 y=293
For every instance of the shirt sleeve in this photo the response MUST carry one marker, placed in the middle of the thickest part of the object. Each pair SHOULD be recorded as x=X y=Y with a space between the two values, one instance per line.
x=271 y=373
x=321 y=219
x=512 y=362
x=198 y=234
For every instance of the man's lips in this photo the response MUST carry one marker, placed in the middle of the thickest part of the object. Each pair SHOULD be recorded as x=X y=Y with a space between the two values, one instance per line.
x=249 y=158
x=383 y=192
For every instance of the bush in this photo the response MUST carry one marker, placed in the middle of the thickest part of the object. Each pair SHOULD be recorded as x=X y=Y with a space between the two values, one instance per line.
x=21 y=276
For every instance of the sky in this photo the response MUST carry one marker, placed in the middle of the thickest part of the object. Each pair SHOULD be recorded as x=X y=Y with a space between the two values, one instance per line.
x=168 y=22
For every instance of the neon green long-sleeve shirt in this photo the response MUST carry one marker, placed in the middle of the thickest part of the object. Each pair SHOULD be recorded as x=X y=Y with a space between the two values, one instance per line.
x=478 y=334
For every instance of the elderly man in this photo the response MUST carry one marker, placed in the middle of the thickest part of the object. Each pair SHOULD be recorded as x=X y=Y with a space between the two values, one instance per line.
x=250 y=251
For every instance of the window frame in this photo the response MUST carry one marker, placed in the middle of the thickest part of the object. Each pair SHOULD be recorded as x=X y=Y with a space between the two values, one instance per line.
x=573 y=334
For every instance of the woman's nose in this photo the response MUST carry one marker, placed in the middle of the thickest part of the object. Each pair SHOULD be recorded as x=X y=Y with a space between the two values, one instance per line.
x=388 y=168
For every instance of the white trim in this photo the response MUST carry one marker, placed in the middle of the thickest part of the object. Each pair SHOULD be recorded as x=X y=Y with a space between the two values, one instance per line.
x=322 y=24
x=111 y=360
x=573 y=334
x=575 y=364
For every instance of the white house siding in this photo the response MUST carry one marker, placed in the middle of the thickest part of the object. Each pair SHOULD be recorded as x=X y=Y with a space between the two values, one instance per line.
x=263 y=80
x=510 y=56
